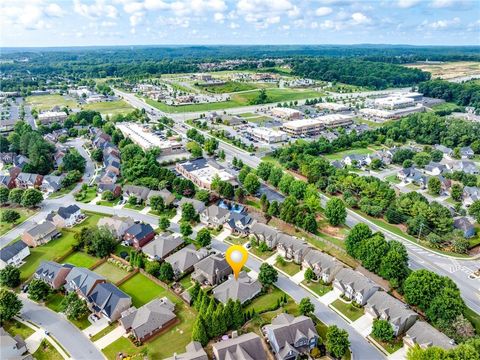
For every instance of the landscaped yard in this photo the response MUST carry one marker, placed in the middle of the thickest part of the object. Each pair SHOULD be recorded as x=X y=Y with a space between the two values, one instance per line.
x=390 y=346
x=317 y=287
x=81 y=259
x=46 y=351
x=13 y=327
x=54 y=302
x=165 y=345
x=186 y=282
x=108 y=203
x=393 y=179
x=266 y=301
x=24 y=215
x=237 y=240
x=111 y=272
x=288 y=266
x=104 y=332
x=261 y=254
x=134 y=207
x=109 y=107
x=88 y=195
x=47 y=102
x=347 y=309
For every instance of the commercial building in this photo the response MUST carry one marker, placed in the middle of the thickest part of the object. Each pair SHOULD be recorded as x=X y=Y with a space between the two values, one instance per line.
x=202 y=172
x=147 y=140
x=335 y=120
x=315 y=126
x=393 y=102
x=287 y=113
x=269 y=135
x=331 y=106
x=381 y=114
x=49 y=117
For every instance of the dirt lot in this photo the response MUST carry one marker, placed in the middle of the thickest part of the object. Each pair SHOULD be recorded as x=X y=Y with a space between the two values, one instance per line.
x=449 y=70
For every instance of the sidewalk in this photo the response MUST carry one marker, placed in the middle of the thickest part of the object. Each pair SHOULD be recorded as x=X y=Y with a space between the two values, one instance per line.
x=33 y=341
x=111 y=337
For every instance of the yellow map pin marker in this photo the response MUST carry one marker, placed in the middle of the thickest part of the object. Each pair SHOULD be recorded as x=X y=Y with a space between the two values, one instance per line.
x=236 y=257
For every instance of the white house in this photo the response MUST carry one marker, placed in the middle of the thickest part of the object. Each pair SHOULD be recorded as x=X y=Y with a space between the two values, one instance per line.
x=13 y=254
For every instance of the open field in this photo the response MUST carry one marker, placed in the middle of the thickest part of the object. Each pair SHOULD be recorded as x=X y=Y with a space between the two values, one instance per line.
x=177 y=337
x=449 y=70
x=109 y=107
x=24 y=215
x=341 y=154
x=228 y=87
x=47 y=102
x=80 y=259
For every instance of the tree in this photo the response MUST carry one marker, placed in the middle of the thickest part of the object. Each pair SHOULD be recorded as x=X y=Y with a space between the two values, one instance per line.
x=434 y=186
x=268 y=275
x=4 y=192
x=446 y=307
x=188 y=212
x=157 y=204
x=10 y=216
x=102 y=242
x=153 y=268
x=355 y=237
x=132 y=200
x=31 y=198
x=474 y=210
x=306 y=307
x=195 y=149
x=240 y=194
x=74 y=307
x=382 y=330
x=309 y=275
x=15 y=196
x=73 y=161
x=10 y=305
x=210 y=146
x=310 y=224
x=226 y=190
x=97 y=155
x=71 y=178
x=38 y=290
x=163 y=223
x=456 y=192
x=372 y=251
x=394 y=265
x=335 y=212
x=108 y=195
x=199 y=331
x=251 y=183
x=10 y=276
x=204 y=238
x=264 y=169
x=166 y=272
x=237 y=315
x=337 y=343
x=421 y=159
x=185 y=229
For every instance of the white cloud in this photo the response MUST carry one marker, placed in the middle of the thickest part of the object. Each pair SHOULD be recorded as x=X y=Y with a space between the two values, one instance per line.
x=323 y=11
x=360 y=19
x=443 y=24
x=28 y=14
x=234 y=25
x=442 y=3
x=97 y=9
x=54 y=10
x=263 y=13
x=219 y=17
x=405 y=4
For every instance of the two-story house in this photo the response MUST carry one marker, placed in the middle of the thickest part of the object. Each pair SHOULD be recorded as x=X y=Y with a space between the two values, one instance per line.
x=354 y=285
x=212 y=270
x=52 y=273
x=324 y=266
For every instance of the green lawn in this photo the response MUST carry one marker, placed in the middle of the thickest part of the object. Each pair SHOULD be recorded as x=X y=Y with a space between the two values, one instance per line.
x=111 y=272
x=186 y=282
x=81 y=259
x=389 y=346
x=122 y=248
x=134 y=207
x=109 y=107
x=237 y=240
x=372 y=124
x=108 y=203
x=24 y=215
x=266 y=301
x=104 y=332
x=447 y=106
x=288 y=266
x=261 y=254
x=259 y=119
x=54 y=302
x=47 y=102
x=473 y=317
x=46 y=351
x=340 y=155
x=247 y=114
x=228 y=87
x=393 y=179
x=13 y=327
x=176 y=337
x=317 y=287
x=87 y=196
x=62 y=192
x=347 y=309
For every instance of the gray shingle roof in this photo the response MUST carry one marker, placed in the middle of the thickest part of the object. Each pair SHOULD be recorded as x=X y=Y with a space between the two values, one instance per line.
x=83 y=279
x=185 y=258
x=48 y=270
x=66 y=212
x=106 y=297
x=243 y=289
x=39 y=231
x=194 y=352
x=245 y=347
x=162 y=245
x=389 y=308
x=11 y=250
x=357 y=281
x=425 y=335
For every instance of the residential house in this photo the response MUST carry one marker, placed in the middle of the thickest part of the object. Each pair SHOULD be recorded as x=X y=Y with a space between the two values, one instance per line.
x=109 y=301
x=52 y=273
x=106 y=186
x=116 y=224
x=139 y=235
x=292 y=248
x=13 y=254
x=58 y=157
x=40 y=234
x=167 y=196
x=291 y=336
x=425 y=335
x=324 y=266
x=66 y=216
x=467 y=152
x=7 y=181
x=383 y=306
x=147 y=321
x=82 y=281
x=214 y=216
x=199 y=206
x=51 y=183
x=471 y=194
x=445 y=185
x=467 y=166
x=14 y=171
x=244 y=347
x=239 y=223
x=212 y=270
x=264 y=233
x=243 y=289
x=109 y=178
x=28 y=181
x=354 y=285
x=465 y=226
x=6 y=158
x=113 y=167
x=162 y=246
x=412 y=175
x=355 y=160
x=434 y=169
x=194 y=351
x=20 y=161
x=183 y=260
x=11 y=347
x=447 y=152
x=140 y=192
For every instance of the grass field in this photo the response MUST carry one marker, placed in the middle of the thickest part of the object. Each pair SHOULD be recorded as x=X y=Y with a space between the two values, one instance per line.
x=240 y=99
x=288 y=266
x=111 y=272
x=447 y=106
x=341 y=154
x=81 y=259
x=347 y=309
x=134 y=207
x=46 y=351
x=108 y=203
x=266 y=301
x=389 y=346
x=13 y=327
x=317 y=288
x=450 y=70
x=228 y=87
x=47 y=102
x=89 y=194
x=393 y=179
x=110 y=107
x=24 y=215
x=172 y=341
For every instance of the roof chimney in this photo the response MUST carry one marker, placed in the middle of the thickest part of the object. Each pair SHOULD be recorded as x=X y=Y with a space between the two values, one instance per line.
x=234 y=334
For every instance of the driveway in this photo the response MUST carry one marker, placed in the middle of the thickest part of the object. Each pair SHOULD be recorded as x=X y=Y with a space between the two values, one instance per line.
x=363 y=325
x=111 y=337
x=96 y=327
x=223 y=235
x=329 y=297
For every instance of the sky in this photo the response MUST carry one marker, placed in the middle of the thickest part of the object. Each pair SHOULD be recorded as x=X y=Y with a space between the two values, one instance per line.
x=148 y=22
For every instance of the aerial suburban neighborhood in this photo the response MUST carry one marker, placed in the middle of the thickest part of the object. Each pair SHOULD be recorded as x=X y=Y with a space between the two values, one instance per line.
x=348 y=175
